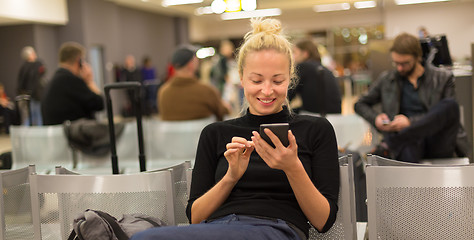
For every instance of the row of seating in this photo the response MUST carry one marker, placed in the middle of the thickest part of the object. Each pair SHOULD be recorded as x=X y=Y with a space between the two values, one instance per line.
x=36 y=206
x=166 y=143
x=405 y=200
x=56 y=199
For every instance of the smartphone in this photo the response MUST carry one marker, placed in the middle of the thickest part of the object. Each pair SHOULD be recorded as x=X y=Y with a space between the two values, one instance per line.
x=80 y=62
x=385 y=122
x=279 y=129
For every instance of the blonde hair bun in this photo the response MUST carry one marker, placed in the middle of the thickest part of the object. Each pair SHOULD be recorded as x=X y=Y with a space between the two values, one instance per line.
x=268 y=26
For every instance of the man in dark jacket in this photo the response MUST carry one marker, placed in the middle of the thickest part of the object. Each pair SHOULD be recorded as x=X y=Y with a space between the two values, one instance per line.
x=420 y=117
x=72 y=93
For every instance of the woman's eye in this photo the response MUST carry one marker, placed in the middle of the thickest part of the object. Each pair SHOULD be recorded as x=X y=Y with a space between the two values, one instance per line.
x=255 y=81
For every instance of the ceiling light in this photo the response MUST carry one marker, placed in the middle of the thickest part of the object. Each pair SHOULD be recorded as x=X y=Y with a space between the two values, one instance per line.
x=405 y=2
x=249 y=5
x=232 y=6
x=203 y=10
x=205 y=52
x=331 y=7
x=365 y=4
x=269 y=12
x=218 y=6
x=166 y=3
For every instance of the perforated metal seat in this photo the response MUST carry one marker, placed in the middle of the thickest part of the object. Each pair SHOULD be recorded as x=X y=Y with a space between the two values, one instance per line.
x=173 y=140
x=345 y=226
x=58 y=199
x=352 y=131
x=43 y=146
x=127 y=152
x=181 y=194
x=416 y=201
x=15 y=204
x=381 y=161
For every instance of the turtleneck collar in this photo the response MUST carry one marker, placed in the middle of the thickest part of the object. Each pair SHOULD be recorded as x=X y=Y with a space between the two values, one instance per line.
x=282 y=116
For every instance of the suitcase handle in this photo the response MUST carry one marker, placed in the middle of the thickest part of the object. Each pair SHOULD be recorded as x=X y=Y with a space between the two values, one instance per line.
x=136 y=86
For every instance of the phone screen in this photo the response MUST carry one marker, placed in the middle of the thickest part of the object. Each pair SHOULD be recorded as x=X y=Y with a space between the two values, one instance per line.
x=279 y=129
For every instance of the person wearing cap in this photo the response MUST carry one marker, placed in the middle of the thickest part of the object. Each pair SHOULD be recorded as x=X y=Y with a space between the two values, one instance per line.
x=184 y=97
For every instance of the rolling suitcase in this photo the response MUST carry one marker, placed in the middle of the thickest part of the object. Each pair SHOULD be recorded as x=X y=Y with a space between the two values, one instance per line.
x=136 y=87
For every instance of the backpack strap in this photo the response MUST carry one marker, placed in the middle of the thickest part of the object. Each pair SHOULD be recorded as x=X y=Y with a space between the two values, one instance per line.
x=119 y=233
x=152 y=222
x=72 y=236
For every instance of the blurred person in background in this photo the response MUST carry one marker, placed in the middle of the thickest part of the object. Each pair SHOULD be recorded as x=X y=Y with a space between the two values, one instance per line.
x=72 y=93
x=317 y=86
x=420 y=117
x=7 y=110
x=130 y=73
x=184 y=97
x=31 y=82
x=150 y=84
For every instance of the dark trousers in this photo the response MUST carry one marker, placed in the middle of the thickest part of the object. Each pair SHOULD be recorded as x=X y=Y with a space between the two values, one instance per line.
x=232 y=227
x=432 y=136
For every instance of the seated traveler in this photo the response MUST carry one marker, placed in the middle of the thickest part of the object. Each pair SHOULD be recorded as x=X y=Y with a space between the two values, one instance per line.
x=183 y=97
x=242 y=187
x=420 y=116
x=317 y=85
x=72 y=93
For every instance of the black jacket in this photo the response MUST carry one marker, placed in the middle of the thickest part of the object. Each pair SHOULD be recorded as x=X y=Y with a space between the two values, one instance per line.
x=318 y=88
x=67 y=97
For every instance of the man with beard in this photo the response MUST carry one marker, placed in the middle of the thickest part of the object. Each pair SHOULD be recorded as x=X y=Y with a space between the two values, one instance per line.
x=419 y=115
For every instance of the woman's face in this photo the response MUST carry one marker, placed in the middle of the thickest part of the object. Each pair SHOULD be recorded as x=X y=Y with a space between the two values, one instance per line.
x=265 y=79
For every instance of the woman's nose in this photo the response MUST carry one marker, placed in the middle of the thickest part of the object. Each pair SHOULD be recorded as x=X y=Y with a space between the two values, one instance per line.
x=267 y=89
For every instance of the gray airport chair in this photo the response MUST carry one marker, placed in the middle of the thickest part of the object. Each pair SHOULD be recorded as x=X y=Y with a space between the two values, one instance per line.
x=352 y=131
x=447 y=161
x=60 y=170
x=127 y=152
x=58 y=199
x=181 y=195
x=172 y=141
x=15 y=204
x=345 y=226
x=43 y=146
x=381 y=161
x=416 y=201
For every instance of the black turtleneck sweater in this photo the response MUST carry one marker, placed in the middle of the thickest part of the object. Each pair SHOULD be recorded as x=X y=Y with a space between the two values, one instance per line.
x=263 y=191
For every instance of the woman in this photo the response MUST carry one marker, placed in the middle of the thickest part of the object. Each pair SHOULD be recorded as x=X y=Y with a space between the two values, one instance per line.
x=317 y=86
x=242 y=187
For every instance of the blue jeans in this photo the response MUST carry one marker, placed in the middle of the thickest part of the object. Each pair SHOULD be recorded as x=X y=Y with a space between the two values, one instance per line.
x=35 y=108
x=231 y=227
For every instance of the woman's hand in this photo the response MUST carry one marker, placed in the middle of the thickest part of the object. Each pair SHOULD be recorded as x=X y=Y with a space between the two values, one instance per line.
x=238 y=155
x=280 y=157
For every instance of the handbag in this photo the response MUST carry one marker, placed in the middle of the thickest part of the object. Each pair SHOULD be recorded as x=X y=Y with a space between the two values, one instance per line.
x=98 y=225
